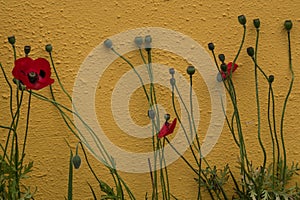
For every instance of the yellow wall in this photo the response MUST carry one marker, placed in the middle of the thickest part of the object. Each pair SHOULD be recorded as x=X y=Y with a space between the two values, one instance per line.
x=75 y=27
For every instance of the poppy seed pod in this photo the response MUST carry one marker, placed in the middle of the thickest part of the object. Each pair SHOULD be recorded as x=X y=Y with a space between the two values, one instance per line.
x=27 y=50
x=221 y=57
x=12 y=40
x=167 y=117
x=172 y=71
x=48 y=48
x=223 y=67
x=76 y=160
x=138 y=41
x=108 y=43
x=190 y=70
x=250 y=51
x=211 y=46
x=148 y=41
x=288 y=25
x=151 y=114
x=256 y=23
x=271 y=78
x=242 y=19
x=172 y=81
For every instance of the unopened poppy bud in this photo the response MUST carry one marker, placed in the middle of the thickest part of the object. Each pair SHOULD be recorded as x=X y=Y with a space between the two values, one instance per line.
x=242 y=19
x=224 y=67
x=48 y=48
x=27 y=50
x=151 y=114
x=167 y=117
x=138 y=41
x=190 y=70
x=222 y=57
x=271 y=78
x=172 y=81
x=76 y=160
x=172 y=71
x=211 y=46
x=256 y=23
x=288 y=24
x=148 y=41
x=250 y=51
x=12 y=40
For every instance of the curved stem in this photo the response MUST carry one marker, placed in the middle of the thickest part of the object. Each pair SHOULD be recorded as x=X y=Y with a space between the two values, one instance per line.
x=284 y=108
x=133 y=68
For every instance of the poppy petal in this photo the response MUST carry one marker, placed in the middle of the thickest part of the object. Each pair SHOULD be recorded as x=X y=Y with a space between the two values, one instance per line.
x=229 y=67
x=40 y=66
x=167 y=129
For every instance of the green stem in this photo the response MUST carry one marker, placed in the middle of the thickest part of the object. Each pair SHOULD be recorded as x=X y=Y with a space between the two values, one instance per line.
x=240 y=48
x=26 y=128
x=179 y=120
x=271 y=135
x=10 y=90
x=258 y=112
x=196 y=134
x=93 y=134
x=133 y=68
x=275 y=127
x=284 y=108
x=58 y=79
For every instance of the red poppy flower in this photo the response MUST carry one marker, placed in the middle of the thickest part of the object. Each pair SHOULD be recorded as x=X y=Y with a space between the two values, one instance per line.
x=167 y=129
x=34 y=74
x=229 y=66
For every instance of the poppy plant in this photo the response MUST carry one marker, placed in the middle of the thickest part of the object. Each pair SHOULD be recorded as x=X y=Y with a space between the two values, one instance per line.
x=34 y=74
x=229 y=66
x=167 y=128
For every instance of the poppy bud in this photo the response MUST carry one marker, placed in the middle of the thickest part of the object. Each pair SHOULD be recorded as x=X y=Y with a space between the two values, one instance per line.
x=108 y=43
x=27 y=50
x=148 y=41
x=271 y=78
x=242 y=19
x=222 y=57
x=250 y=51
x=224 y=67
x=48 y=48
x=138 y=41
x=288 y=24
x=12 y=40
x=151 y=114
x=76 y=160
x=256 y=23
x=211 y=46
x=190 y=70
x=172 y=71
x=172 y=81
x=167 y=117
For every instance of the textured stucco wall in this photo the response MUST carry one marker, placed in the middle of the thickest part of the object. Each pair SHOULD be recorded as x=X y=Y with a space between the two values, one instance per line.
x=75 y=27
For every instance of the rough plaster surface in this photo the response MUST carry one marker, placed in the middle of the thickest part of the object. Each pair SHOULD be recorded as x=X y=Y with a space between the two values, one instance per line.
x=74 y=28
